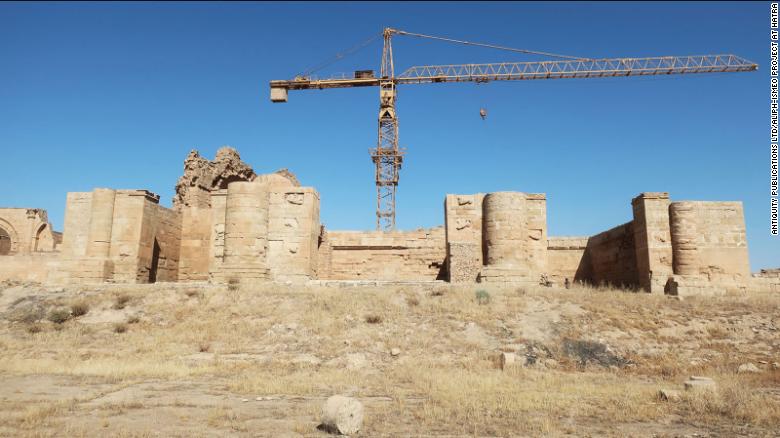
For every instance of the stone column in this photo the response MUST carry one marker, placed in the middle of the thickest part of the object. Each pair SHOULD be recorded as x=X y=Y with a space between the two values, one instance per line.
x=246 y=231
x=504 y=228
x=101 y=223
x=652 y=240
x=506 y=240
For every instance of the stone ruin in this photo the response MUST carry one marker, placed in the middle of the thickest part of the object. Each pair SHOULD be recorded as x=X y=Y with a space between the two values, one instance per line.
x=230 y=225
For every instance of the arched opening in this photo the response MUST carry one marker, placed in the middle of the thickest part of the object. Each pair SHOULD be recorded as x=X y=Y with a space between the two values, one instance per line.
x=5 y=242
x=39 y=238
x=155 y=262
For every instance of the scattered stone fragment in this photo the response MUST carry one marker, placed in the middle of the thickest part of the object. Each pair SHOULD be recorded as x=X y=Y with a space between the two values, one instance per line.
x=748 y=368
x=306 y=358
x=775 y=365
x=259 y=399
x=395 y=352
x=699 y=383
x=507 y=359
x=669 y=395
x=356 y=361
x=342 y=415
x=244 y=400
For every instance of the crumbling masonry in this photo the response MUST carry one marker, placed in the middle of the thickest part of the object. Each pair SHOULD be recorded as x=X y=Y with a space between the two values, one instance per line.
x=229 y=224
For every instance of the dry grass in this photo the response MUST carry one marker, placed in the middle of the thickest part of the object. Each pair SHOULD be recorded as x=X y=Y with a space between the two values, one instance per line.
x=245 y=343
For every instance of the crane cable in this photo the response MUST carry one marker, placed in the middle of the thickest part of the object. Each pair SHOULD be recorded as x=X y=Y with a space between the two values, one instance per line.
x=340 y=56
x=511 y=49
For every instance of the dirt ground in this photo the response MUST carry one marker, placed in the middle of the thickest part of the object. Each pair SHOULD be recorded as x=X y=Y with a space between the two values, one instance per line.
x=206 y=360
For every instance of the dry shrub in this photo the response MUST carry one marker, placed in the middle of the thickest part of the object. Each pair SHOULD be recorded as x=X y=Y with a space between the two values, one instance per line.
x=27 y=314
x=412 y=301
x=120 y=328
x=79 y=309
x=34 y=328
x=234 y=284
x=121 y=301
x=204 y=347
x=134 y=319
x=735 y=401
x=59 y=316
x=373 y=319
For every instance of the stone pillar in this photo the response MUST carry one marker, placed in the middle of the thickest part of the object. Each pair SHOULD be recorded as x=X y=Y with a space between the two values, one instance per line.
x=463 y=233
x=684 y=232
x=652 y=240
x=509 y=244
x=504 y=228
x=246 y=231
x=101 y=223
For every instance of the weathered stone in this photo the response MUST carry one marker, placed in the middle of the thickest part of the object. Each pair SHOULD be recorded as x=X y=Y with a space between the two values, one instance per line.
x=698 y=383
x=507 y=360
x=202 y=176
x=748 y=368
x=395 y=351
x=342 y=415
x=669 y=395
x=233 y=226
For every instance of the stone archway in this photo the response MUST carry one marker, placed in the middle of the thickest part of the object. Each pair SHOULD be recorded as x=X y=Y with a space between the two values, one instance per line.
x=39 y=236
x=5 y=242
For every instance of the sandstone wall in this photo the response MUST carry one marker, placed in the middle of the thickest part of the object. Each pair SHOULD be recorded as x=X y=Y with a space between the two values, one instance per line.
x=611 y=257
x=119 y=235
x=652 y=238
x=37 y=267
x=463 y=231
x=196 y=243
x=566 y=259
x=396 y=255
x=268 y=228
x=709 y=239
x=160 y=244
x=293 y=233
x=514 y=237
x=26 y=230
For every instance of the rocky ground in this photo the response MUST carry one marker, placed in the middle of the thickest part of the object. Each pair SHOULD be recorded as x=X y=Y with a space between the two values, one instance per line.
x=424 y=359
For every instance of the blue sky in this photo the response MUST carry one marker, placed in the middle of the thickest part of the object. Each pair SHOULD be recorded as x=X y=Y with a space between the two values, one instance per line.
x=116 y=95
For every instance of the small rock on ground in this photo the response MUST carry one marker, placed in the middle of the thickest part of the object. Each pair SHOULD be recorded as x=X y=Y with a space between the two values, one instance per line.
x=342 y=415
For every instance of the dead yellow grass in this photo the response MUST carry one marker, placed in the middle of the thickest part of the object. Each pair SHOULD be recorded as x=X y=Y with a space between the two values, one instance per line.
x=247 y=340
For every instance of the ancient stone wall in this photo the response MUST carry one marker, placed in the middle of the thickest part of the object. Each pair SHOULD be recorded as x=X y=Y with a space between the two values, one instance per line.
x=41 y=267
x=119 y=235
x=293 y=233
x=395 y=255
x=463 y=231
x=514 y=237
x=652 y=238
x=612 y=257
x=26 y=230
x=160 y=244
x=709 y=239
x=566 y=260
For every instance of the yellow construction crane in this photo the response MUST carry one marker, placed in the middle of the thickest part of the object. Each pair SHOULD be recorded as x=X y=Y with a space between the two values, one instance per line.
x=388 y=157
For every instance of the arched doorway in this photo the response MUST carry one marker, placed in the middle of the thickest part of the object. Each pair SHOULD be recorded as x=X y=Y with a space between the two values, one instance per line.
x=38 y=244
x=5 y=242
x=155 y=262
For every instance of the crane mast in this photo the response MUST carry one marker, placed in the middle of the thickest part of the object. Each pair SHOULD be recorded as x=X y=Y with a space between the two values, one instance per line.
x=388 y=157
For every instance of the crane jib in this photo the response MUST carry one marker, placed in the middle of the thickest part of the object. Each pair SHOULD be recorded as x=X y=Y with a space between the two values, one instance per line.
x=388 y=156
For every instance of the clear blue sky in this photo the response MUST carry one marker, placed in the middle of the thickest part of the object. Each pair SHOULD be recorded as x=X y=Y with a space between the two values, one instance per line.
x=115 y=95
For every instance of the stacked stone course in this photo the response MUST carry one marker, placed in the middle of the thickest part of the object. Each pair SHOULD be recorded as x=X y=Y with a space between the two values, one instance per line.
x=231 y=225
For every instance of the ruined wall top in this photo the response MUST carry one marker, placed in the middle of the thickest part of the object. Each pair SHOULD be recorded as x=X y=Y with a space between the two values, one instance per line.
x=201 y=176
